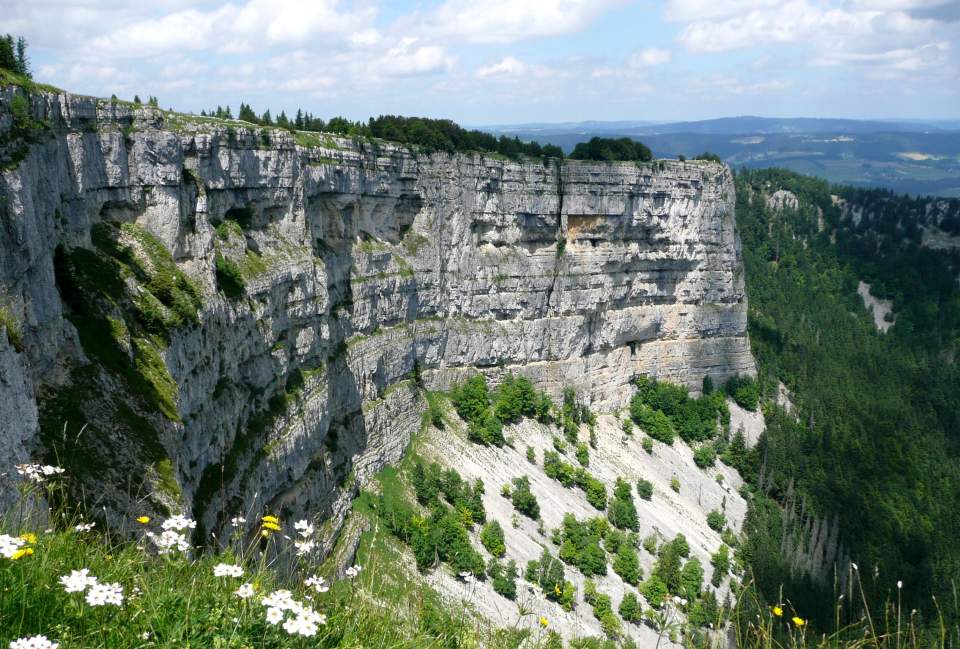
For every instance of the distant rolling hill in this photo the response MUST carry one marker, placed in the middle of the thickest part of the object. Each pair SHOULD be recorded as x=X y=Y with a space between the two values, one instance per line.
x=908 y=156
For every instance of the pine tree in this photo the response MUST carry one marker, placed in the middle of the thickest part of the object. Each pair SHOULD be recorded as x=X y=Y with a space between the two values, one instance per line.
x=298 y=120
x=23 y=63
x=266 y=120
x=8 y=57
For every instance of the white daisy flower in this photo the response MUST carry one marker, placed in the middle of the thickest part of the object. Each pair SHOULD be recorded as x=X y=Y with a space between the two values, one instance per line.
x=274 y=615
x=84 y=527
x=38 y=472
x=281 y=599
x=227 y=570
x=34 y=642
x=179 y=523
x=304 y=528
x=317 y=583
x=102 y=594
x=78 y=581
x=238 y=521
x=353 y=571
x=300 y=626
x=169 y=541
x=9 y=545
x=304 y=547
x=244 y=592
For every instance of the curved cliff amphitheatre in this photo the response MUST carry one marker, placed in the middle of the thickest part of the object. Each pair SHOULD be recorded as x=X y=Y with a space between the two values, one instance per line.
x=237 y=322
x=285 y=382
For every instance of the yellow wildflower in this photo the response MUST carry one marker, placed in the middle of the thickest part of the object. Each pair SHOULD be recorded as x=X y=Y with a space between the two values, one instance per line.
x=556 y=589
x=778 y=611
x=29 y=537
x=21 y=553
x=543 y=621
x=267 y=525
x=799 y=621
x=271 y=519
x=143 y=520
x=265 y=533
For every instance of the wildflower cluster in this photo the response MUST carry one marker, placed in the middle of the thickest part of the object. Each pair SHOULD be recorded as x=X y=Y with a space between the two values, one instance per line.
x=172 y=537
x=38 y=472
x=317 y=583
x=227 y=570
x=296 y=617
x=34 y=642
x=305 y=544
x=16 y=547
x=268 y=525
x=97 y=594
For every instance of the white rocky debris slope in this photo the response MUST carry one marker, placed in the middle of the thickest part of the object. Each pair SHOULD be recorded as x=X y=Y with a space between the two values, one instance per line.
x=616 y=456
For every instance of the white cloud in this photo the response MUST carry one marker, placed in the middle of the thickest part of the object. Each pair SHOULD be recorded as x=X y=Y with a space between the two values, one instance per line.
x=311 y=84
x=510 y=67
x=877 y=33
x=233 y=28
x=182 y=68
x=364 y=37
x=648 y=58
x=409 y=59
x=690 y=10
x=508 y=21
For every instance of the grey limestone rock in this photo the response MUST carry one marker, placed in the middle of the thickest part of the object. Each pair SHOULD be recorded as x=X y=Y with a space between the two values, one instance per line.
x=369 y=270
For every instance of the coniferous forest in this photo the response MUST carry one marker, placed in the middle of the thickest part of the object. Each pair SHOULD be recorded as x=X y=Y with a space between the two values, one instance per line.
x=872 y=446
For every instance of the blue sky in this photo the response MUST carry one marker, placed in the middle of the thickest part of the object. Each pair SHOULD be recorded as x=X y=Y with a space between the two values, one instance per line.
x=508 y=61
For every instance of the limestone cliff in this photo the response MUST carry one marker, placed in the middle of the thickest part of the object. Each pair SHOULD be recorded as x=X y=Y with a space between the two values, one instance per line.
x=245 y=317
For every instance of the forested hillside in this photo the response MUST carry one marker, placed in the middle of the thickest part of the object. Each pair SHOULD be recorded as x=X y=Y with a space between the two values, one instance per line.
x=865 y=463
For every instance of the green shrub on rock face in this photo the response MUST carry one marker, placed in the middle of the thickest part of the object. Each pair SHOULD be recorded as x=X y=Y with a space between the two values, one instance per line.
x=716 y=520
x=653 y=422
x=691 y=579
x=229 y=278
x=645 y=489
x=548 y=573
x=623 y=512
x=721 y=565
x=489 y=432
x=744 y=390
x=8 y=323
x=627 y=564
x=596 y=493
x=491 y=536
x=630 y=608
x=654 y=590
x=705 y=456
x=503 y=578
x=471 y=399
x=583 y=454
x=523 y=499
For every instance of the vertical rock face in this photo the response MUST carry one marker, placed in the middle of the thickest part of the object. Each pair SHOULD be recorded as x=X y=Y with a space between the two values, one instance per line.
x=314 y=290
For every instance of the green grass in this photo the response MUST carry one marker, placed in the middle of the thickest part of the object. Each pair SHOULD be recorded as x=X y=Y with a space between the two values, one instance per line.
x=9 y=78
x=12 y=328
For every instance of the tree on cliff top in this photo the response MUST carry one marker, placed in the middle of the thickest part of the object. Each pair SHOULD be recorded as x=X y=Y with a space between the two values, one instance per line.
x=602 y=148
x=13 y=55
